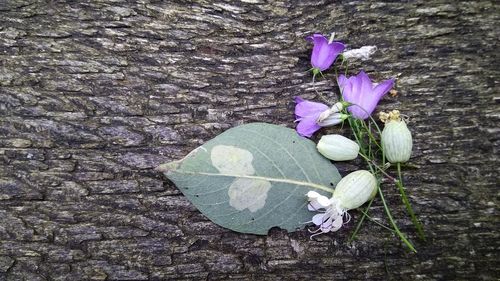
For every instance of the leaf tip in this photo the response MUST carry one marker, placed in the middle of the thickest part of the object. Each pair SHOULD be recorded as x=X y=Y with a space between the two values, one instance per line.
x=168 y=167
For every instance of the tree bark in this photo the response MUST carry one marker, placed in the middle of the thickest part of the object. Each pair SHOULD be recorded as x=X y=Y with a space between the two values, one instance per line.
x=94 y=95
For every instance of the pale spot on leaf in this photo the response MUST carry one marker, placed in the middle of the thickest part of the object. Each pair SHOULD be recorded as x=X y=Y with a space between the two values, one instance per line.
x=243 y=193
x=248 y=193
x=232 y=160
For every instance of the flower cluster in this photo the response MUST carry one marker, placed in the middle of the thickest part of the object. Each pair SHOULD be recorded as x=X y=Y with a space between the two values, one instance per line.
x=359 y=96
x=351 y=192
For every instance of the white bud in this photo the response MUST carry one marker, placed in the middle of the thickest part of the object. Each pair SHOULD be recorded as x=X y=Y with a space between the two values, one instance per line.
x=397 y=141
x=355 y=189
x=338 y=148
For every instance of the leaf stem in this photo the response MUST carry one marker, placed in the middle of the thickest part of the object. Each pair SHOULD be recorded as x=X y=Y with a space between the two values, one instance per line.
x=416 y=223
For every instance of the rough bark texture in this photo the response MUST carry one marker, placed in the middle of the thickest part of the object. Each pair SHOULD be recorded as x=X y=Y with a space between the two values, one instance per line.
x=95 y=94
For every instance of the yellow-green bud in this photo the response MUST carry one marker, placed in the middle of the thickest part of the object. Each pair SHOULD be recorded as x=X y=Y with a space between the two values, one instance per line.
x=396 y=139
x=338 y=148
x=355 y=189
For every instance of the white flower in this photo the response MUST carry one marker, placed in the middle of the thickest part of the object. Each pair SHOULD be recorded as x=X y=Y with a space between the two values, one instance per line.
x=333 y=119
x=362 y=53
x=332 y=116
x=317 y=201
x=351 y=192
x=337 y=148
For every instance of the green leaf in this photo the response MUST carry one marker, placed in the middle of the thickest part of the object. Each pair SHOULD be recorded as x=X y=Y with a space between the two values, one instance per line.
x=254 y=177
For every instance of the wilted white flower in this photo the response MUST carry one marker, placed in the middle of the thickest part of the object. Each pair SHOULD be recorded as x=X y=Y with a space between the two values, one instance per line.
x=362 y=53
x=332 y=116
x=333 y=119
x=338 y=148
x=396 y=137
x=351 y=192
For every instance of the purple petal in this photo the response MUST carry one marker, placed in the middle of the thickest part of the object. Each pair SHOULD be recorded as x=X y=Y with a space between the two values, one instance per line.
x=365 y=84
x=337 y=47
x=308 y=126
x=315 y=35
x=327 y=55
x=298 y=99
x=351 y=90
x=304 y=108
x=364 y=107
x=359 y=91
x=324 y=53
x=341 y=80
x=383 y=88
x=319 y=52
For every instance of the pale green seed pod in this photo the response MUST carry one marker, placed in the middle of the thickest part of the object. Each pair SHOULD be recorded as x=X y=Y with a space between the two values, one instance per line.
x=338 y=148
x=355 y=189
x=397 y=141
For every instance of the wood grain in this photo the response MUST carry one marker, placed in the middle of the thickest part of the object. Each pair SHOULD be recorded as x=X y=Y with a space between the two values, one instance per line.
x=95 y=94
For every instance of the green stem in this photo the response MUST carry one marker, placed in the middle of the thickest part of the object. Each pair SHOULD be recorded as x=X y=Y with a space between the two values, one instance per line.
x=378 y=167
x=371 y=136
x=378 y=223
x=391 y=220
x=360 y=222
x=416 y=223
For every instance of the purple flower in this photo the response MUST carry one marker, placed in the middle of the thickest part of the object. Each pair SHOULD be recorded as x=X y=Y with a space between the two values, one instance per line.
x=308 y=113
x=324 y=53
x=360 y=91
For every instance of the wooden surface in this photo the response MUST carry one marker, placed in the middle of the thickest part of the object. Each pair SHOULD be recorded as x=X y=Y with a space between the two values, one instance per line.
x=94 y=95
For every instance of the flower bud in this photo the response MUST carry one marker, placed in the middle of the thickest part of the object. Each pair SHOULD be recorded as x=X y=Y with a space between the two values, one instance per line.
x=355 y=189
x=396 y=139
x=338 y=148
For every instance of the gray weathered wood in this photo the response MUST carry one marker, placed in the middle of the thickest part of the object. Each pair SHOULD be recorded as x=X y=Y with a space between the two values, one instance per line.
x=95 y=94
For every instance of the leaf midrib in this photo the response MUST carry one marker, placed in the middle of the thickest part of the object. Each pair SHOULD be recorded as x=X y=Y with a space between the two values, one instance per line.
x=295 y=182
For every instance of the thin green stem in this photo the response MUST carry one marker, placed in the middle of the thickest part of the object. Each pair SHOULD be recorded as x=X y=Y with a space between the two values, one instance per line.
x=378 y=167
x=371 y=136
x=360 y=222
x=416 y=223
x=393 y=223
x=376 y=222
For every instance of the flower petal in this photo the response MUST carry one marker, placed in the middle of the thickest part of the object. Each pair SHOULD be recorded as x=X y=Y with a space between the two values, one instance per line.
x=319 y=52
x=341 y=80
x=365 y=83
x=337 y=48
x=333 y=119
x=348 y=93
x=312 y=195
x=383 y=88
x=362 y=93
x=324 y=53
x=305 y=108
x=314 y=205
x=323 y=201
x=318 y=219
x=337 y=223
x=308 y=126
